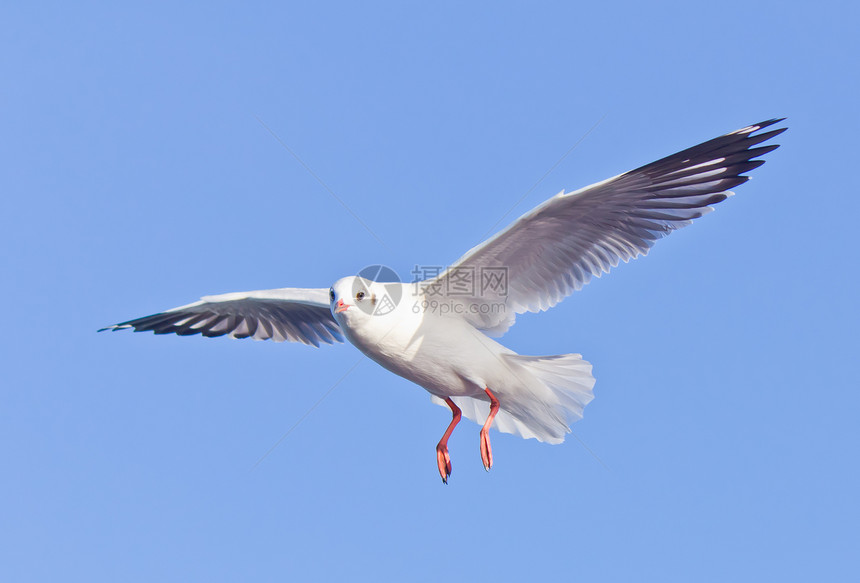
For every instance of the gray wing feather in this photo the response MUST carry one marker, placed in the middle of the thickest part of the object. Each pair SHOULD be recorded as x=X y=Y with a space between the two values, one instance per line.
x=556 y=248
x=286 y=314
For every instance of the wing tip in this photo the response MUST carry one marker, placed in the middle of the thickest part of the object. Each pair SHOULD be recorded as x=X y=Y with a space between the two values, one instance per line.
x=750 y=129
x=114 y=328
x=767 y=123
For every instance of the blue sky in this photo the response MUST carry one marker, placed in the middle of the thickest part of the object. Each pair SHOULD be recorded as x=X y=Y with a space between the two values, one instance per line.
x=137 y=177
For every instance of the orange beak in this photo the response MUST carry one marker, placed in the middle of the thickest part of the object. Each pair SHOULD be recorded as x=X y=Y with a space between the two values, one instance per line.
x=341 y=307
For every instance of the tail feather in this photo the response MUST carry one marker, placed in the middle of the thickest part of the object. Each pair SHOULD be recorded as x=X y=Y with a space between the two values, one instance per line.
x=548 y=393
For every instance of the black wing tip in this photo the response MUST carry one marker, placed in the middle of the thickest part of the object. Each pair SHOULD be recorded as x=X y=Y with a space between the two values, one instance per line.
x=761 y=151
x=757 y=137
x=763 y=124
x=752 y=130
x=114 y=328
x=755 y=129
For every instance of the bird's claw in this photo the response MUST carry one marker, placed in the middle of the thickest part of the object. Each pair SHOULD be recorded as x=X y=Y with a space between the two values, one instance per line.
x=486 y=451
x=443 y=461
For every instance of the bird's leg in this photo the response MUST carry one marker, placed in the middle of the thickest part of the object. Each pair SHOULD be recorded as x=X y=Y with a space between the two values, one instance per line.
x=443 y=460
x=486 y=449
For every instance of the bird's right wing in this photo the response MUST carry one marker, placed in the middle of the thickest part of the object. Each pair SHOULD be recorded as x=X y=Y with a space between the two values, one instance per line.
x=293 y=314
x=557 y=247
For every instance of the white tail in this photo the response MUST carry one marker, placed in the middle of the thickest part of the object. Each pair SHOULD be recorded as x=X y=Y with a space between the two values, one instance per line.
x=545 y=396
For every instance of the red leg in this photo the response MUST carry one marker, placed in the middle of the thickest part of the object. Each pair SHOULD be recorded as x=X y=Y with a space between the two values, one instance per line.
x=486 y=449
x=443 y=460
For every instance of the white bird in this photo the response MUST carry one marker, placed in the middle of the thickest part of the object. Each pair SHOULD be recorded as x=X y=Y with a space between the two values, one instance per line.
x=436 y=333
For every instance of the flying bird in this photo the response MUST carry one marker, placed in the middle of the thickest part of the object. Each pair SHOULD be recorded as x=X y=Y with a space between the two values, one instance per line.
x=438 y=333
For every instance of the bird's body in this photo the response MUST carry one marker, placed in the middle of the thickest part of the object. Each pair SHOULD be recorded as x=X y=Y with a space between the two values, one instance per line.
x=449 y=357
x=446 y=356
x=437 y=333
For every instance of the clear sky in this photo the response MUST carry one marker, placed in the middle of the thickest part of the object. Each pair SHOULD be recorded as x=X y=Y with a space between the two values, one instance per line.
x=136 y=176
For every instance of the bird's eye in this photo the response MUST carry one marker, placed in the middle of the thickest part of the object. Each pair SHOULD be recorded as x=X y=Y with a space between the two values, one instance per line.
x=359 y=296
x=331 y=294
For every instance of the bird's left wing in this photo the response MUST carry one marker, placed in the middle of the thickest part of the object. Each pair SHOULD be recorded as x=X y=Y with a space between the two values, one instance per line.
x=293 y=314
x=557 y=247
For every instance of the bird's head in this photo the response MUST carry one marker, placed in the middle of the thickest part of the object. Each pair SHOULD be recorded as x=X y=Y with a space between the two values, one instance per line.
x=353 y=299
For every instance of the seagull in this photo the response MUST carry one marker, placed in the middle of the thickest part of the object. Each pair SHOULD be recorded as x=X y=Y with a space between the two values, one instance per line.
x=438 y=332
